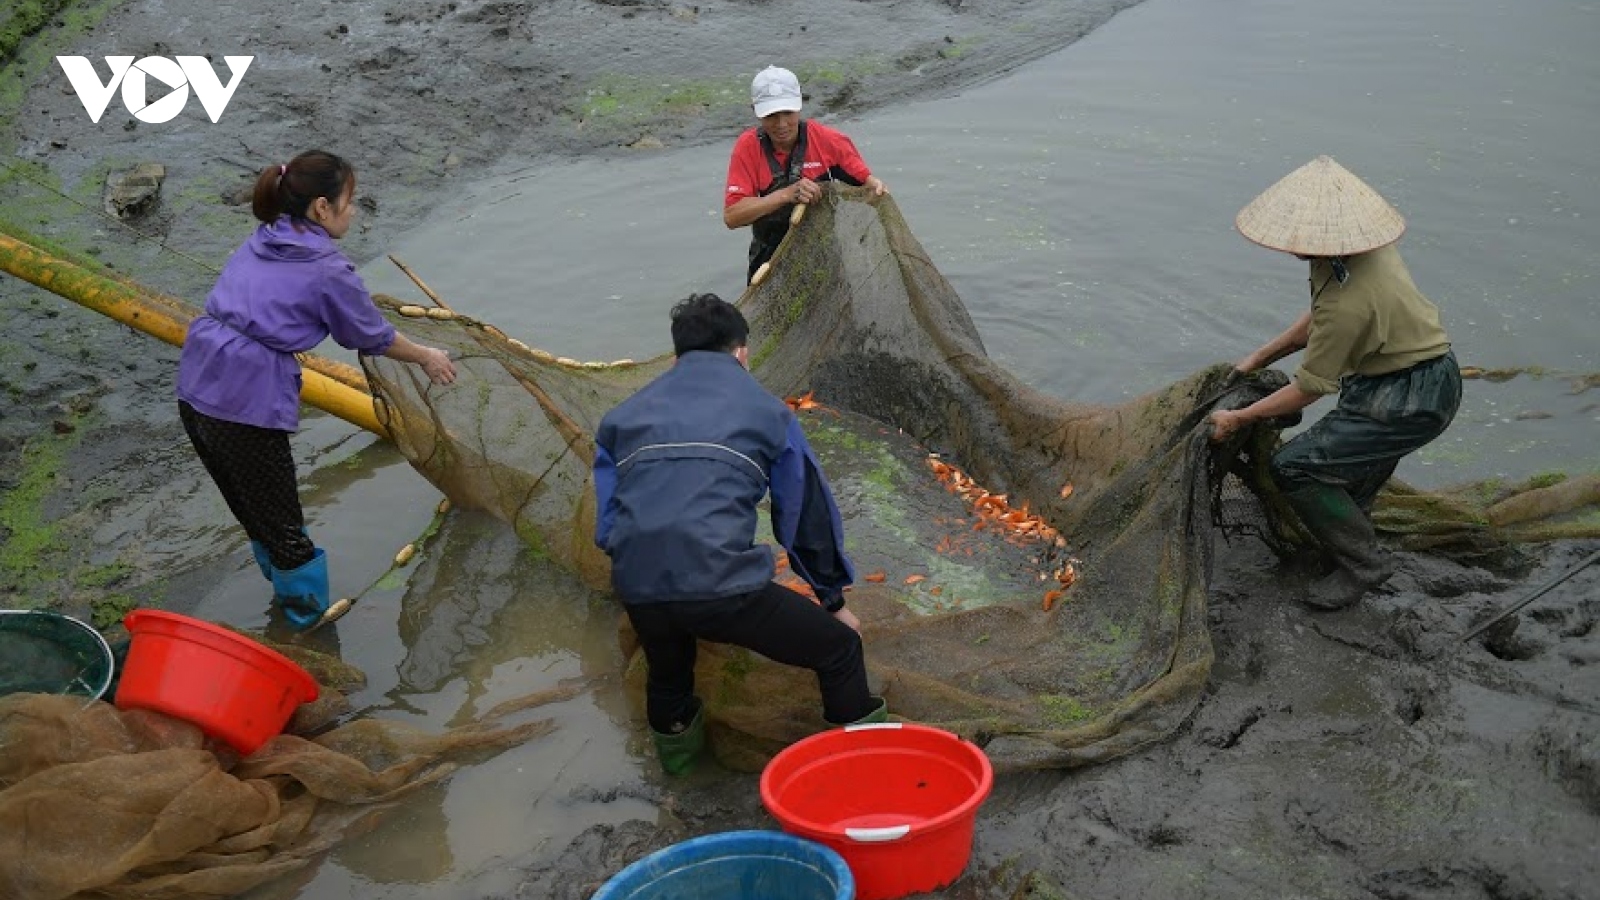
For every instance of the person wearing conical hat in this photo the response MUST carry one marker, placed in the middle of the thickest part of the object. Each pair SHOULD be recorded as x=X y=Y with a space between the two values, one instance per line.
x=1371 y=337
x=783 y=161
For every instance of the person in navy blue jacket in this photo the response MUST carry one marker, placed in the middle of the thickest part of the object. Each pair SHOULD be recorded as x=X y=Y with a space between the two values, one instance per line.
x=679 y=470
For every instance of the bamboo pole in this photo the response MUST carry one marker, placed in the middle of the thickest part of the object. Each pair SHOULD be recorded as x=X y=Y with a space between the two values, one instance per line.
x=331 y=393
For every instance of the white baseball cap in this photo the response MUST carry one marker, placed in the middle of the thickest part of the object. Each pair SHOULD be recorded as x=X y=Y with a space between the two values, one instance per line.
x=774 y=90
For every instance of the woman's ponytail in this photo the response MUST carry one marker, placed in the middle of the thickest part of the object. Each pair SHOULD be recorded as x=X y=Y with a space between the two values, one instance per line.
x=291 y=188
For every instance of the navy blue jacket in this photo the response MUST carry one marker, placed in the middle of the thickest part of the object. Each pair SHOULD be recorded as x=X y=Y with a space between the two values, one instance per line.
x=678 y=472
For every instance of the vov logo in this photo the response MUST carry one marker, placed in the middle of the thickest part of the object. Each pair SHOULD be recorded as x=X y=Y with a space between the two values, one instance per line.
x=179 y=76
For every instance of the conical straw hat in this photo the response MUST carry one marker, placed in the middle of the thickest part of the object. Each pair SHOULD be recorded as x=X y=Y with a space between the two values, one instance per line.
x=1321 y=209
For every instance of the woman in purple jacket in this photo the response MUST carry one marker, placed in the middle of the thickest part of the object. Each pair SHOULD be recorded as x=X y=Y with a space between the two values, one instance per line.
x=280 y=294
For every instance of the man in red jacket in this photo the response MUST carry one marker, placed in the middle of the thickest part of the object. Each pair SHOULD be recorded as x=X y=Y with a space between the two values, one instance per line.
x=781 y=161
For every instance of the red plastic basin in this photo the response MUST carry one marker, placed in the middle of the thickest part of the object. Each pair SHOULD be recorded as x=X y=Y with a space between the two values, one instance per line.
x=897 y=801
x=234 y=689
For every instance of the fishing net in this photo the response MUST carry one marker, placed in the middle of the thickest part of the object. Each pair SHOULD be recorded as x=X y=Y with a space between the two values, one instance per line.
x=1035 y=571
x=96 y=801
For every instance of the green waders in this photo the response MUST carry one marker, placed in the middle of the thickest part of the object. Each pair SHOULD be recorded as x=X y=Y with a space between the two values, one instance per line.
x=1331 y=472
x=1333 y=517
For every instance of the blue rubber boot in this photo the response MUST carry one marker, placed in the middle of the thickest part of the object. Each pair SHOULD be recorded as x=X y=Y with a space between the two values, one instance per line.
x=303 y=592
x=259 y=550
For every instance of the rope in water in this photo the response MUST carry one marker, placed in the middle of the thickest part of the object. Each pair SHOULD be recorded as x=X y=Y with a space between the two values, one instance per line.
x=392 y=577
x=402 y=558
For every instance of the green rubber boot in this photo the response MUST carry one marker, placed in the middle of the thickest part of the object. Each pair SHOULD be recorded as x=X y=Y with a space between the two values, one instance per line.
x=679 y=750
x=1347 y=534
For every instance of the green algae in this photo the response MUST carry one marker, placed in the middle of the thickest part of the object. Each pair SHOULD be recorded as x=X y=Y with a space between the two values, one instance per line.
x=1064 y=711
x=765 y=350
x=1545 y=479
x=878 y=478
x=630 y=100
x=834 y=73
x=534 y=540
x=25 y=17
x=957 y=48
x=103 y=575
x=33 y=548
x=28 y=49
x=36 y=552
x=49 y=245
x=109 y=609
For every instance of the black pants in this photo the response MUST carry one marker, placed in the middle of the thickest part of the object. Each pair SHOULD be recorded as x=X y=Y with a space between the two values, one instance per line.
x=253 y=467
x=760 y=252
x=775 y=622
x=1380 y=419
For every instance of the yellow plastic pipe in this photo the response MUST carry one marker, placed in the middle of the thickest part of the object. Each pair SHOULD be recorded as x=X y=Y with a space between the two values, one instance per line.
x=330 y=393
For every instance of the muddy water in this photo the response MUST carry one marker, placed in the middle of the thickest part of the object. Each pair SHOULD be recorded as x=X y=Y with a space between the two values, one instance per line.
x=1083 y=208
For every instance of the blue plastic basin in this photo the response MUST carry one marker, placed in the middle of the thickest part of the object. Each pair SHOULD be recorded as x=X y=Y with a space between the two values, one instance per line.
x=735 y=865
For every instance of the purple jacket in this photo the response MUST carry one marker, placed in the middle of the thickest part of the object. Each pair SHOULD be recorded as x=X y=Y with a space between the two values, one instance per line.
x=285 y=290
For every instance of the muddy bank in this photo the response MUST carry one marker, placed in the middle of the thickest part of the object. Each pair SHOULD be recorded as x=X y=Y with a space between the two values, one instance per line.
x=1329 y=760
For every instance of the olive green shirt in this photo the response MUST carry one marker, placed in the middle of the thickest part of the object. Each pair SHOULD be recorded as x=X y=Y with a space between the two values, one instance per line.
x=1375 y=323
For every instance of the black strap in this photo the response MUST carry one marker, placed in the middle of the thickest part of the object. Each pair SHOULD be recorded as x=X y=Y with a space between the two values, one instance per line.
x=767 y=232
x=1340 y=273
x=784 y=176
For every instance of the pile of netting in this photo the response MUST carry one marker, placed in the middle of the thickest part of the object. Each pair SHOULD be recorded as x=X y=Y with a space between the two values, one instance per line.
x=1035 y=570
x=97 y=801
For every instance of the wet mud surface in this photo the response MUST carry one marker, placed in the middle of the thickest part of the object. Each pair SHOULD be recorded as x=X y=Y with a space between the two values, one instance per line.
x=1348 y=755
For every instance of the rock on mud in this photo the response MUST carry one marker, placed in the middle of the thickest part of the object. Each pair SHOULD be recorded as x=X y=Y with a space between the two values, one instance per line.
x=131 y=193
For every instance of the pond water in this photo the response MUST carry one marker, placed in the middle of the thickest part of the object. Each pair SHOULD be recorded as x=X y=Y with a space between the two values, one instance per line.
x=1083 y=208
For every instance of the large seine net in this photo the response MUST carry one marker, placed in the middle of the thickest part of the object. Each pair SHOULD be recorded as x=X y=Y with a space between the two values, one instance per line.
x=1034 y=571
x=1038 y=568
